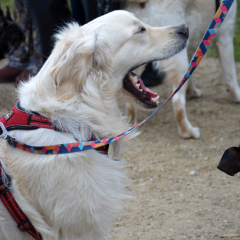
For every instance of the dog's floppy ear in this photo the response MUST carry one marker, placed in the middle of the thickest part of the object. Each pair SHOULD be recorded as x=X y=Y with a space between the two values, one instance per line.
x=72 y=60
x=8 y=15
x=230 y=162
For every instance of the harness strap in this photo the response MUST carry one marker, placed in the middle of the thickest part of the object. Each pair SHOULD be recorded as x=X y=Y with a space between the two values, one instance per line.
x=19 y=119
x=9 y=202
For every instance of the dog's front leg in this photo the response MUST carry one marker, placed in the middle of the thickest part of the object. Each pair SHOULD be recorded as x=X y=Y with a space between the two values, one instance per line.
x=180 y=64
x=186 y=130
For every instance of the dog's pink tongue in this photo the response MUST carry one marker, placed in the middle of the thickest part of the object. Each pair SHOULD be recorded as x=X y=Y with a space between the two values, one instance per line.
x=135 y=79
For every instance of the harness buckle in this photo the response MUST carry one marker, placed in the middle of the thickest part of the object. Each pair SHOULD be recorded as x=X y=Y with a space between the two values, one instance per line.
x=3 y=132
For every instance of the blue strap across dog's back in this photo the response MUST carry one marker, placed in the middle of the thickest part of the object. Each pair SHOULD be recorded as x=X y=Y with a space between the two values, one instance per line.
x=82 y=146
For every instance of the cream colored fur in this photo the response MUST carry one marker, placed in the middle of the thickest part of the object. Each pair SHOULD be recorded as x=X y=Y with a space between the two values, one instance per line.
x=197 y=14
x=78 y=195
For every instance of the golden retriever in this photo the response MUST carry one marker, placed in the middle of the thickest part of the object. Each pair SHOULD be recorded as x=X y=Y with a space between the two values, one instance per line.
x=77 y=196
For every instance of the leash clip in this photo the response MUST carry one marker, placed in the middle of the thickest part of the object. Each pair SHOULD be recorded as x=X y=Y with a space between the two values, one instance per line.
x=3 y=132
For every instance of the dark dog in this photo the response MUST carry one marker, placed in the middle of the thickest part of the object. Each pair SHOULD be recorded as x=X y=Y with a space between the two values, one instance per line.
x=12 y=39
x=230 y=162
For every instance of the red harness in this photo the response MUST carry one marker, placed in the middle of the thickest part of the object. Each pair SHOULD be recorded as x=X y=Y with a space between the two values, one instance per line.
x=19 y=119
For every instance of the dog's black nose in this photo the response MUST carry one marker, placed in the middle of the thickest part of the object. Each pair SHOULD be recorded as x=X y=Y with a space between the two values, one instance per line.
x=183 y=29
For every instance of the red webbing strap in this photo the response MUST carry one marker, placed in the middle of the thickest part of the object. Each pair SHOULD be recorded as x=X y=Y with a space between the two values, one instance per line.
x=103 y=149
x=40 y=121
x=21 y=219
x=9 y=202
x=17 y=118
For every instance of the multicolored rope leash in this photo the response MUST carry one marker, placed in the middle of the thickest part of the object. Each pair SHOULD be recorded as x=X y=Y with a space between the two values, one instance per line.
x=82 y=146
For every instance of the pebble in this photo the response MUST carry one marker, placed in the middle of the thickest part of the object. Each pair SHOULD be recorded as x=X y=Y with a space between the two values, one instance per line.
x=192 y=173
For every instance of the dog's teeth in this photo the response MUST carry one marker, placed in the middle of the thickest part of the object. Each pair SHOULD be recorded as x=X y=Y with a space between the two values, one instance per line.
x=140 y=90
x=138 y=85
x=155 y=99
x=135 y=79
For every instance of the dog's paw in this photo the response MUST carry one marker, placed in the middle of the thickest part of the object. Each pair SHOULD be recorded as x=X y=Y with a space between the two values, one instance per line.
x=194 y=93
x=193 y=132
x=235 y=95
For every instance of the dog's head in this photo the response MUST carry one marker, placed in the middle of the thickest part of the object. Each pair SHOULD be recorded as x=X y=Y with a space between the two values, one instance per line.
x=103 y=53
x=11 y=37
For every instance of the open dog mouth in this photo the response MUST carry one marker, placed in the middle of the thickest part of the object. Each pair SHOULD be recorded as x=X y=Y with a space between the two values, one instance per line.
x=134 y=84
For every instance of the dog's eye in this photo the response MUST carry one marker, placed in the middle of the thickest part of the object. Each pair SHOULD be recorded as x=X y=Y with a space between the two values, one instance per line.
x=141 y=30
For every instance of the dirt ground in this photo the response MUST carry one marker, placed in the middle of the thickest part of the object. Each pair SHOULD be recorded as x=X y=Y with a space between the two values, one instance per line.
x=177 y=191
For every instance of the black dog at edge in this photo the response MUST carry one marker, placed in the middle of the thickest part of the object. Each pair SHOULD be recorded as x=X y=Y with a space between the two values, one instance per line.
x=230 y=162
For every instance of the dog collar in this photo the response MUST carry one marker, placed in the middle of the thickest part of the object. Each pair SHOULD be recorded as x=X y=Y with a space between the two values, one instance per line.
x=20 y=119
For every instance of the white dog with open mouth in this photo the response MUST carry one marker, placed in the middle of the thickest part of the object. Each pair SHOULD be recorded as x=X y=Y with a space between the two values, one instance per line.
x=77 y=195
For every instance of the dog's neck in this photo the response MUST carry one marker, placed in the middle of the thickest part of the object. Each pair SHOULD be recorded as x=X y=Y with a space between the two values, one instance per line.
x=84 y=114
